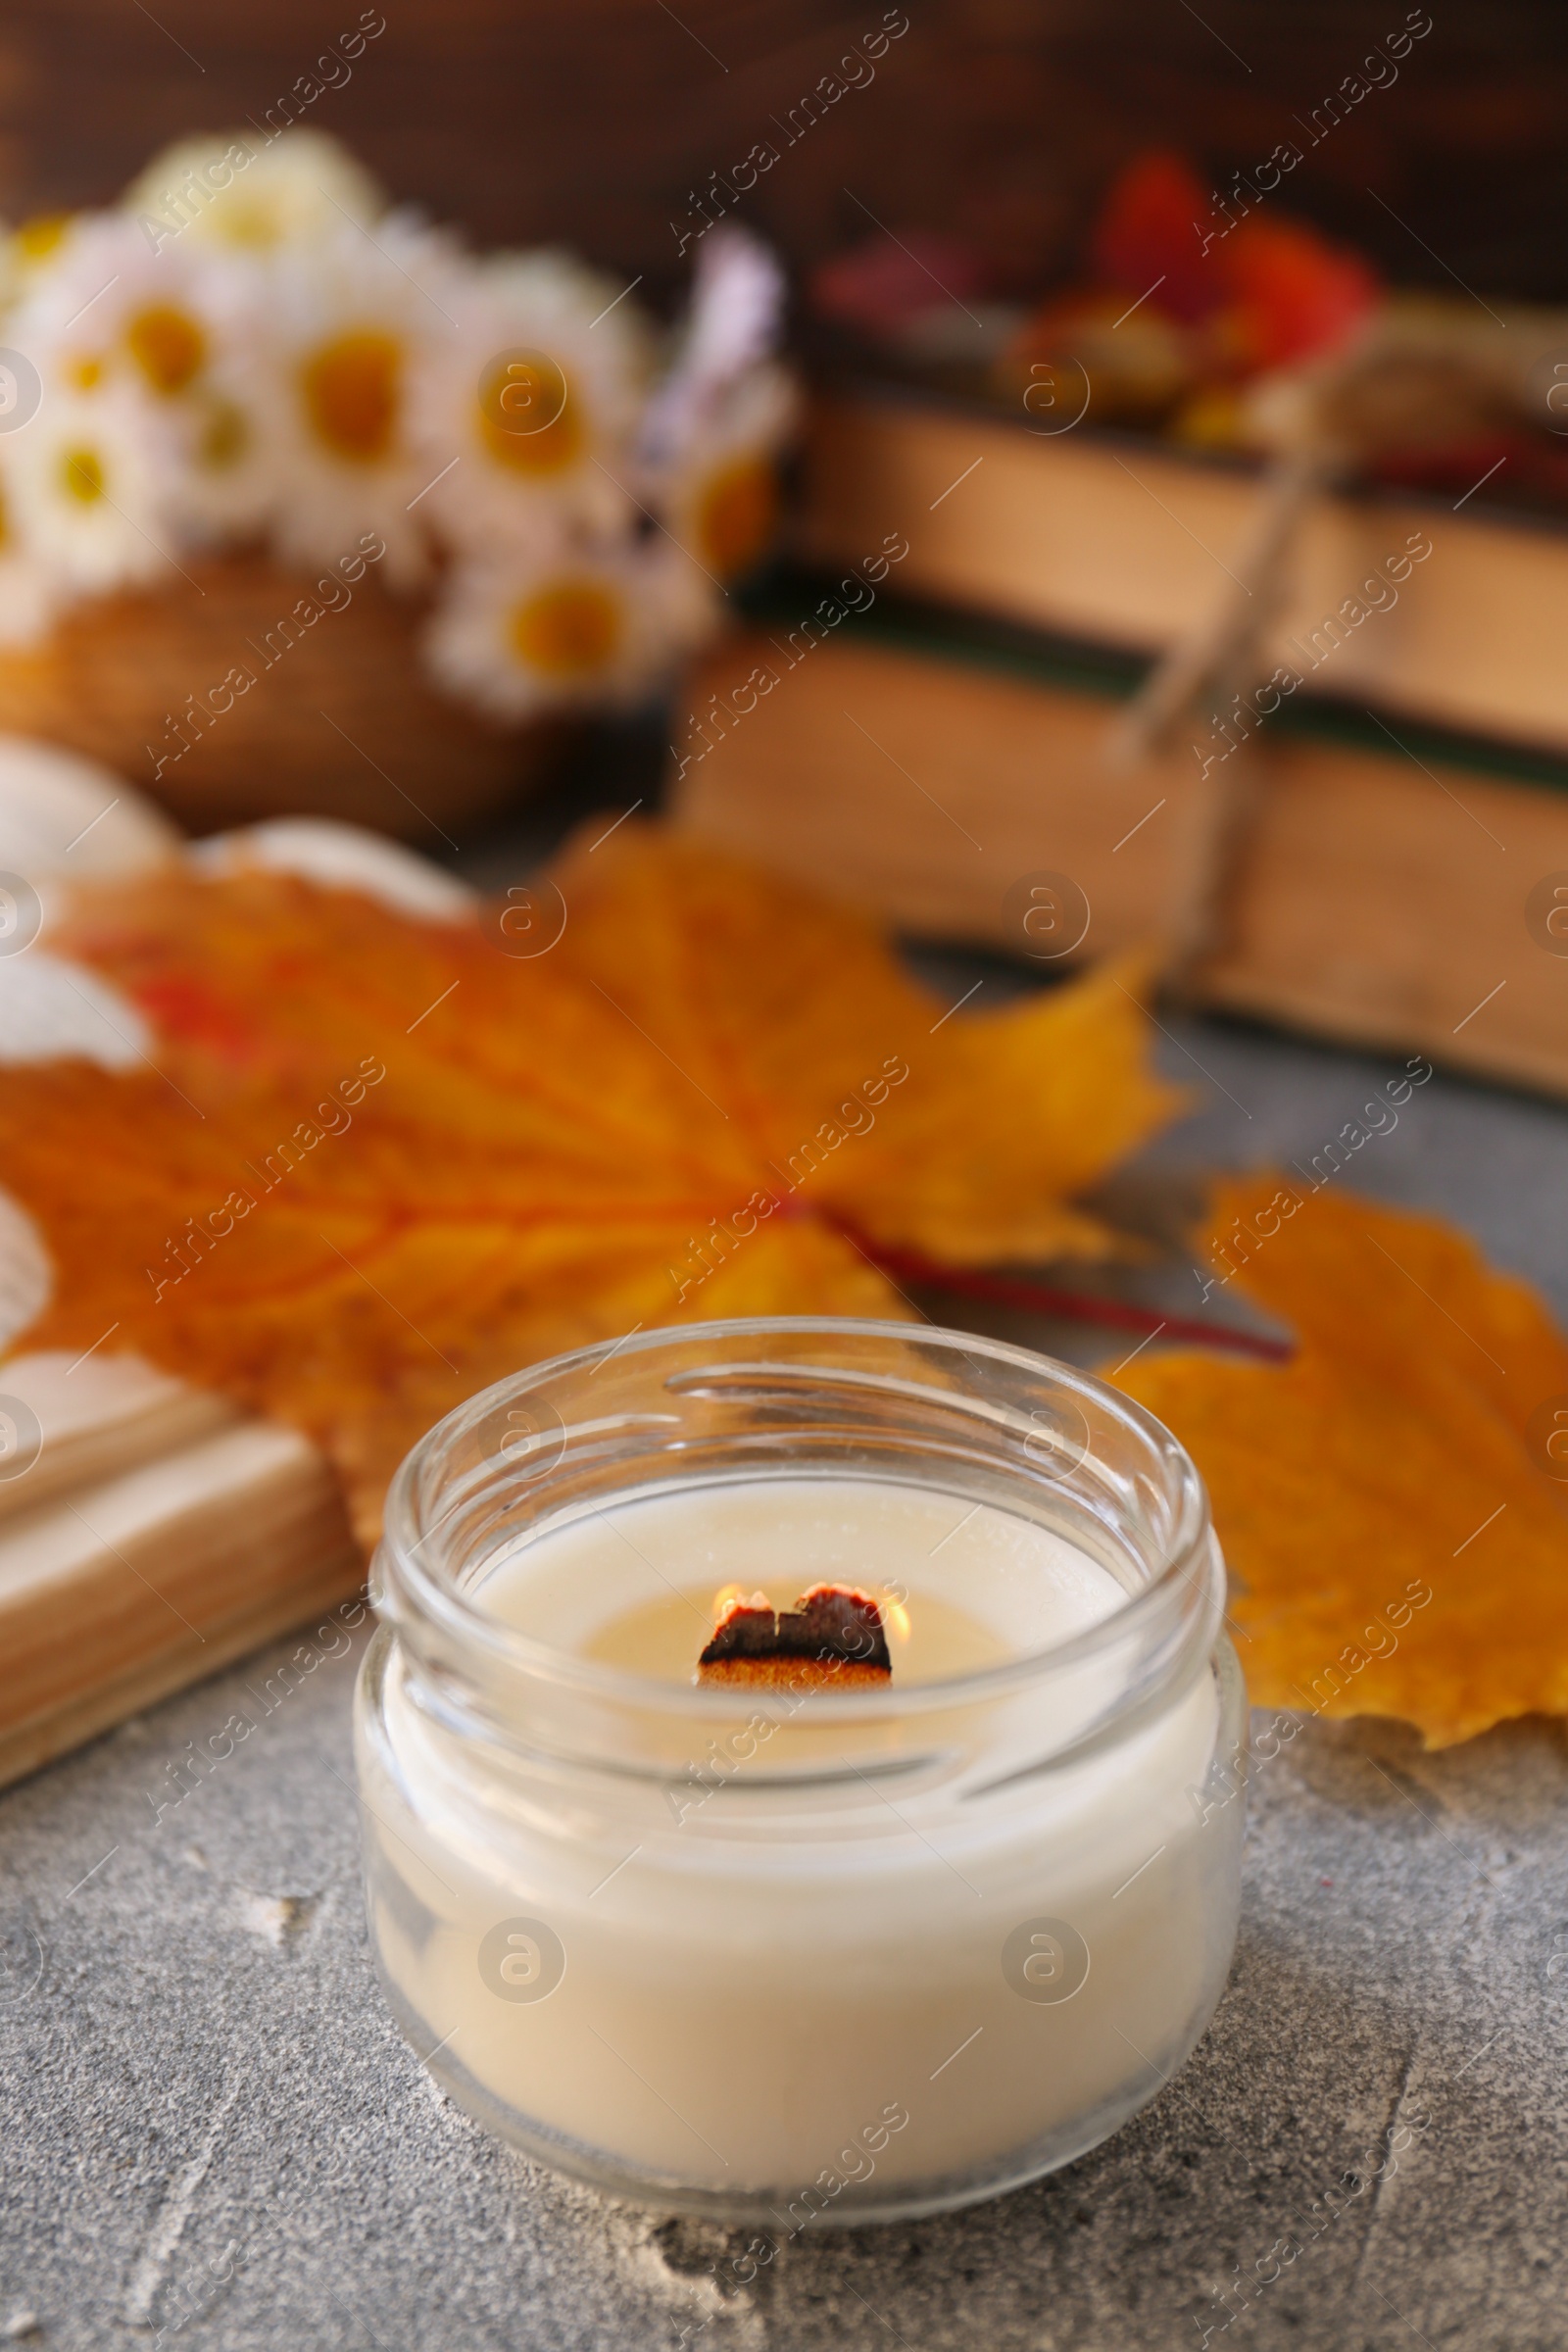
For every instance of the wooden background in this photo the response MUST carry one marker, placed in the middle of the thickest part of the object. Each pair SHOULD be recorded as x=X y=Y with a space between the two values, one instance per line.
x=587 y=122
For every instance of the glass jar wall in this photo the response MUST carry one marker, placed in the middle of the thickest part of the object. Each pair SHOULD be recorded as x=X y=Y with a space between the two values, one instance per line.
x=801 y=1955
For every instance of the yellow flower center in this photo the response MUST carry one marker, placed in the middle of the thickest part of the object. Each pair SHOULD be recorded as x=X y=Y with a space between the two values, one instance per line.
x=242 y=218
x=567 y=631
x=85 y=372
x=736 y=516
x=351 y=387
x=225 y=435
x=531 y=421
x=167 y=345
x=81 y=475
x=42 y=235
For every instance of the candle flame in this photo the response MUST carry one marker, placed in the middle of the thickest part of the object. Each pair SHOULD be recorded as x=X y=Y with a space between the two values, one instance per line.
x=895 y=1617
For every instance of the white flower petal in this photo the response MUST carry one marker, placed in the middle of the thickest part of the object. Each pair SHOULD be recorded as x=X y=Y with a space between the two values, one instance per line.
x=50 y=1007
x=341 y=857
x=736 y=317
x=61 y=814
x=254 y=190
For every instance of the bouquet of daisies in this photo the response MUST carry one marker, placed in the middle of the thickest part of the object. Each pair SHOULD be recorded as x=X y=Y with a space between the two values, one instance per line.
x=255 y=348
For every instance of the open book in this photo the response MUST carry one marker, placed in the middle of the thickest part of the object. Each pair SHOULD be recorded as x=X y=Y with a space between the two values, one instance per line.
x=149 y=1533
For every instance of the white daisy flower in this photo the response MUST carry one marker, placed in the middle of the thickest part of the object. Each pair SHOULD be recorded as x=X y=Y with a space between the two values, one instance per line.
x=227 y=417
x=733 y=326
x=352 y=324
x=720 y=496
x=98 y=307
x=526 y=635
x=712 y=431
x=227 y=486
x=177 y=329
x=255 y=191
x=38 y=241
x=526 y=410
x=89 y=479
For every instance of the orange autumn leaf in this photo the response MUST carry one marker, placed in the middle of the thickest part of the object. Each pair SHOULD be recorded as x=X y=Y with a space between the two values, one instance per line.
x=376 y=1164
x=1402 y=1452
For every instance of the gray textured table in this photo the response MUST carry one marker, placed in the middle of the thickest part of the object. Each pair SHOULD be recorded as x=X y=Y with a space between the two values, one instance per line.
x=211 y=2129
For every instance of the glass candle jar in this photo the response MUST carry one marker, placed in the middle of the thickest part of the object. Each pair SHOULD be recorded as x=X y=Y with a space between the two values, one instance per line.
x=803 y=1955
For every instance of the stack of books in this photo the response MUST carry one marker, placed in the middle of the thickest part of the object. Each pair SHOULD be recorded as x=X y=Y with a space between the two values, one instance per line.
x=924 y=715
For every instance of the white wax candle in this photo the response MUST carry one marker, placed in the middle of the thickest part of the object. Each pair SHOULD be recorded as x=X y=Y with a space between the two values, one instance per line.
x=905 y=1981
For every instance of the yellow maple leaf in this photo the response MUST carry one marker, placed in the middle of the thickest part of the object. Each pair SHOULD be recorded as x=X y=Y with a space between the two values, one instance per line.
x=375 y=1163
x=1387 y=1498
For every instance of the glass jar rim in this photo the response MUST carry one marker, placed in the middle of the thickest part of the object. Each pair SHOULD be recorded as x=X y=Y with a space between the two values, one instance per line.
x=400 y=1580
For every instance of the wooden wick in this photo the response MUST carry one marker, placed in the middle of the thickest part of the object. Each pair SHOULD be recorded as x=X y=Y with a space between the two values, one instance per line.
x=832 y=1638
